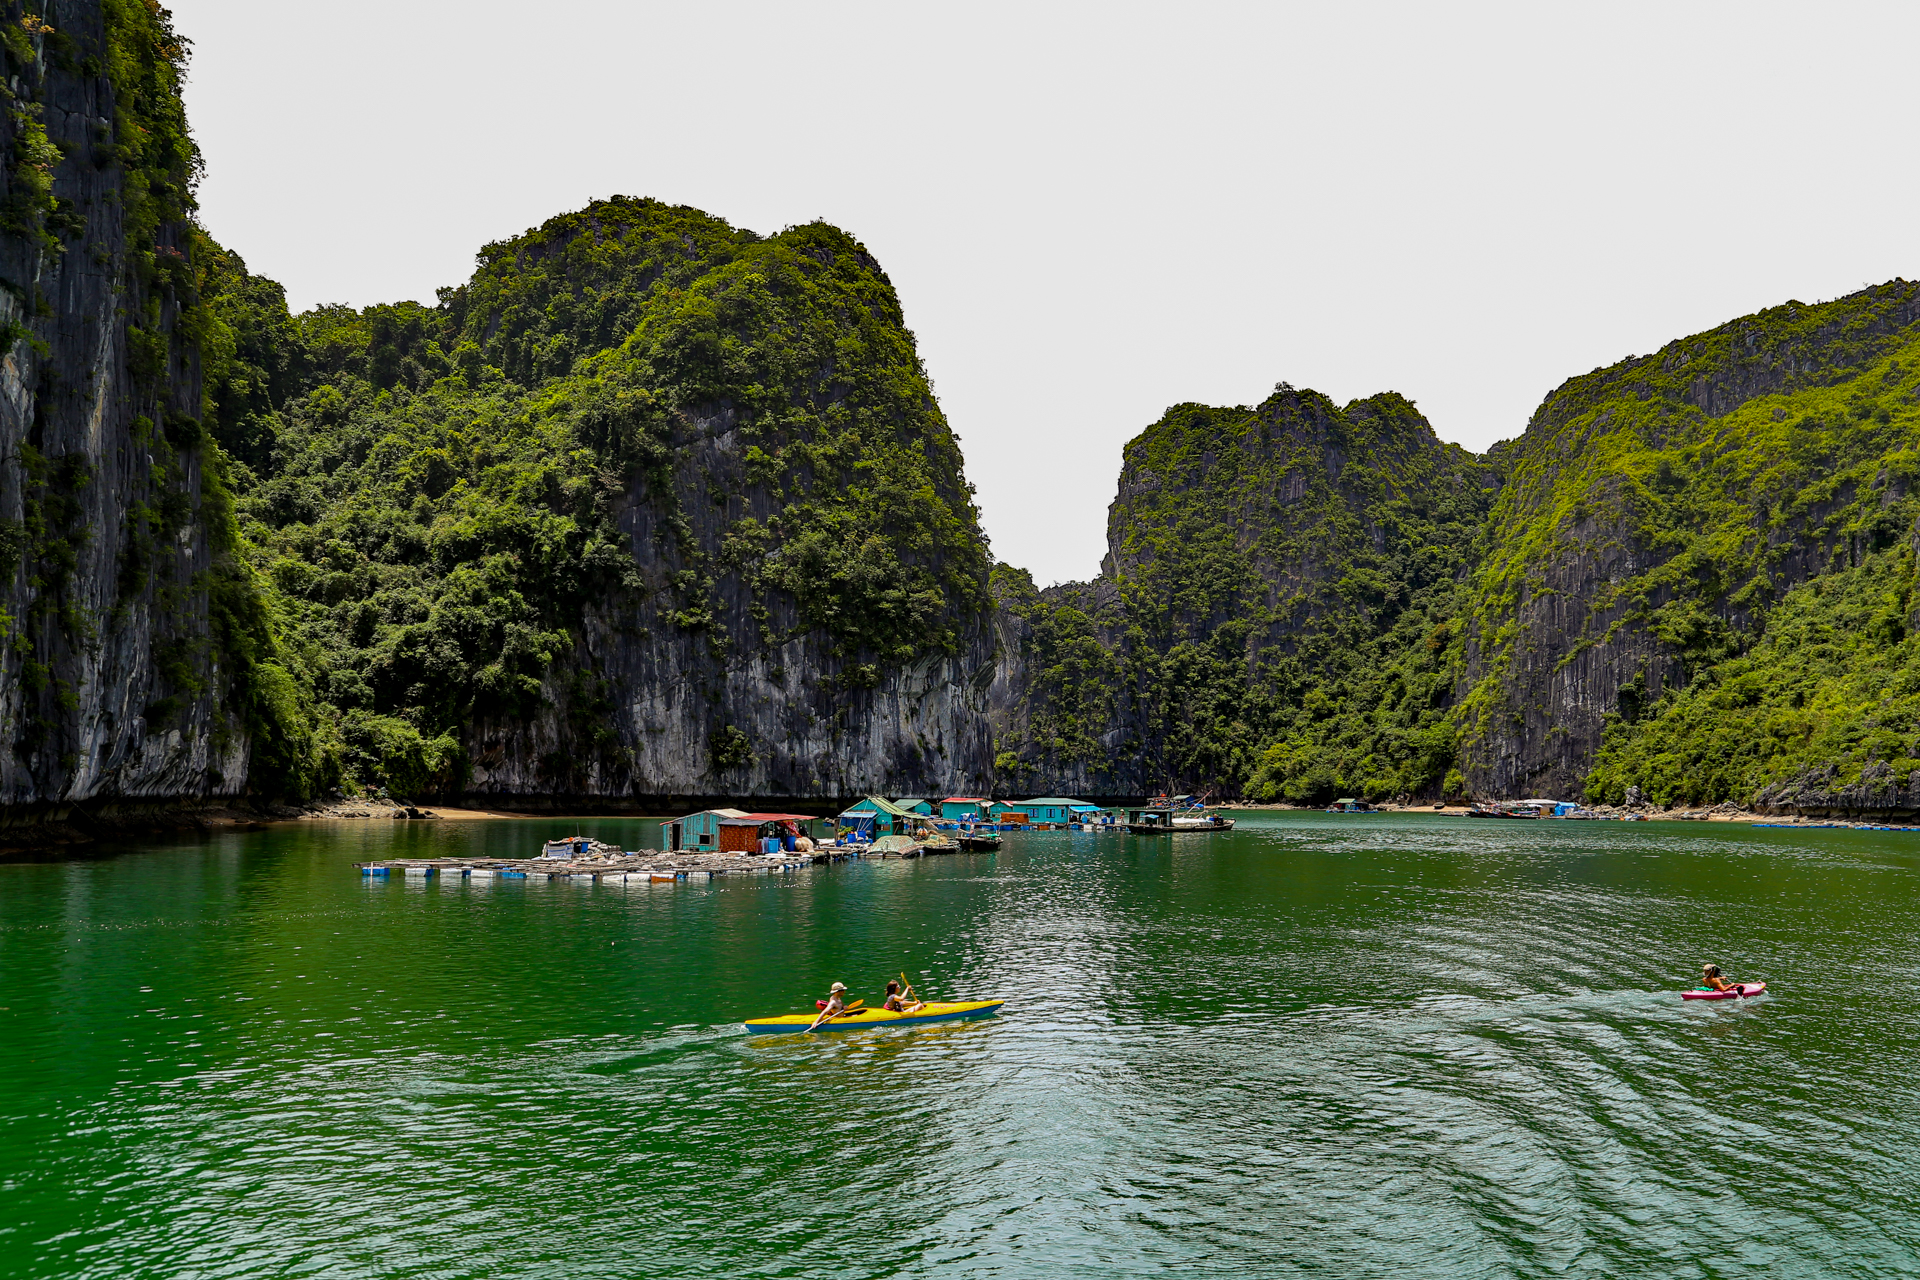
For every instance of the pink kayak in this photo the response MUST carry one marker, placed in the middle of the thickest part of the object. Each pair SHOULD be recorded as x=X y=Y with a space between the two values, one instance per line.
x=1739 y=989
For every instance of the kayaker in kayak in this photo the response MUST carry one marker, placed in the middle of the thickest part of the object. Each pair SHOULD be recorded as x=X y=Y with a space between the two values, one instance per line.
x=897 y=1002
x=1713 y=979
x=836 y=1003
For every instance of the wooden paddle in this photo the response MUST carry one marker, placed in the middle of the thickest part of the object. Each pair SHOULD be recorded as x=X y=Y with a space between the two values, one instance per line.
x=909 y=987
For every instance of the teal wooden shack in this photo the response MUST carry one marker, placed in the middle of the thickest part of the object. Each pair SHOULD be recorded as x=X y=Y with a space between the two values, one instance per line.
x=872 y=818
x=914 y=804
x=999 y=809
x=697 y=832
x=964 y=808
x=1049 y=809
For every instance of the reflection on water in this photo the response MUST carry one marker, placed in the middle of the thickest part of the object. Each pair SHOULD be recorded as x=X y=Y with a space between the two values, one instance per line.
x=1336 y=1046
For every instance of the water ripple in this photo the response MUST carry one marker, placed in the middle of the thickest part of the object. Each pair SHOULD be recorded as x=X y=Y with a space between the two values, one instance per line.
x=1380 y=1047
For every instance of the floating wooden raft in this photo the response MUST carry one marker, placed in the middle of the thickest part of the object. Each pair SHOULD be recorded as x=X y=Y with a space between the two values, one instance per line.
x=621 y=871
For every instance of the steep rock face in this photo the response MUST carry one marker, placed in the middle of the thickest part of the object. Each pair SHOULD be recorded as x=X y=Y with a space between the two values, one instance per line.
x=754 y=701
x=1255 y=556
x=113 y=691
x=1656 y=510
x=652 y=507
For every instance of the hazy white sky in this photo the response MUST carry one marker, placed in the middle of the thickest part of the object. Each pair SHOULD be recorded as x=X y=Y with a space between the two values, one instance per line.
x=1095 y=211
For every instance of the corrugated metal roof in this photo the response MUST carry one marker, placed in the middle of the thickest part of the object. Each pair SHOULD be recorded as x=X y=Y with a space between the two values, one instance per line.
x=723 y=813
x=965 y=800
x=882 y=804
x=1052 y=800
x=755 y=819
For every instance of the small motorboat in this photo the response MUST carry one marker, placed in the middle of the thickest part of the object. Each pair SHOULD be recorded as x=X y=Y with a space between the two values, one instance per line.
x=932 y=1011
x=1201 y=822
x=1741 y=990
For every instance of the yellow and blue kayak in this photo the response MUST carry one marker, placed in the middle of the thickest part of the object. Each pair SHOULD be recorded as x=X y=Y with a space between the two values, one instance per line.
x=932 y=1011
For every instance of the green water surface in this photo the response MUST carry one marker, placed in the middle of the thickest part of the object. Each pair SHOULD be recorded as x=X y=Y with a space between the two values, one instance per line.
x=1360 y=1046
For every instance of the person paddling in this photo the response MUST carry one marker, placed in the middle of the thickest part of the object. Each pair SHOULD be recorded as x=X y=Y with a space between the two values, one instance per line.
x=1713 y=979
x=836 y=1004
x=897 y=1002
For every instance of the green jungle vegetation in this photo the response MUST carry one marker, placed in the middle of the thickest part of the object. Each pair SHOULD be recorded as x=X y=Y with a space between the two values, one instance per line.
x=1728 y=511
x=1827 y=697
x=1760 y=474
x=432 y=496
x=413 y=508
x=1281 y=627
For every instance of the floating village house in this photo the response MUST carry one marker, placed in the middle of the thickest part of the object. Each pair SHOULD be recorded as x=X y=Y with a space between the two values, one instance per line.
x=698 y=832
x=916 y=805
x=749 y=832
x=964 y=808
x=874 y=817
x=1086 y=815
x=1050 y=809
x=1002 y=811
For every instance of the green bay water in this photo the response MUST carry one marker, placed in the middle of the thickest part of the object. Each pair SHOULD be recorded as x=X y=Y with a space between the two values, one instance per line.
x=1335 y=1046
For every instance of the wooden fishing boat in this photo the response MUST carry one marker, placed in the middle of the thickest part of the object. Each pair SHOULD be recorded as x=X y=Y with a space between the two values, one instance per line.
x=932 y=1011
x=979 y=844
x=1166 y=822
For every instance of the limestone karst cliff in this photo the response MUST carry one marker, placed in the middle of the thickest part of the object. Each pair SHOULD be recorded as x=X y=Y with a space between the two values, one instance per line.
x=652 y=507
x=1698 y=574
x=129 y=670
x=1264 y=619
x=1690 y=576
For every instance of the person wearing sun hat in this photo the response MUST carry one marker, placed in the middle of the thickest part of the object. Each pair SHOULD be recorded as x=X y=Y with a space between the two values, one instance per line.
x=835 y=1005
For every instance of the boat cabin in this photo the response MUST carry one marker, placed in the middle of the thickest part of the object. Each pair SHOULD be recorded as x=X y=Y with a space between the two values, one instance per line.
x=1156 y=818
x=567 y=847
x=764 y=832
x=697 y=832
x=1347 y=804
